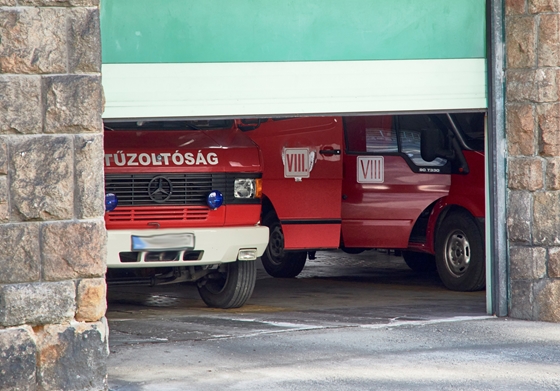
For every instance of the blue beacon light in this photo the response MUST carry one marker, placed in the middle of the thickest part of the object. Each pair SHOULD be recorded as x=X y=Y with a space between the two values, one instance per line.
x=111 y=202
x=215 y=199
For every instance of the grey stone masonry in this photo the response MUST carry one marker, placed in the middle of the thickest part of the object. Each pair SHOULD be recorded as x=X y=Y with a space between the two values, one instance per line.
x=533 y=146
x=53 y=332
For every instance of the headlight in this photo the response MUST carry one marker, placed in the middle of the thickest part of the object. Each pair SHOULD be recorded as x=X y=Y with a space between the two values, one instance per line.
x=244 y=188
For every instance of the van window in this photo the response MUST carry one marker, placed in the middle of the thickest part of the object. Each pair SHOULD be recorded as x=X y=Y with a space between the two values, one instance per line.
x=373 y=134
x=410 y=130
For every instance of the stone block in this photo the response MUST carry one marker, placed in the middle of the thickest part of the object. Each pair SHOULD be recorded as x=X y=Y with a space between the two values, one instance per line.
x=553 y=173
x=73 y=104
x=20 y=94
x=18 y=353
x=548 y=117
x=527 y=263
x=525 y=173
x=33 y=40
x=37 y=303
x=515 y=7
x=73 y=250
x=41 y=178
x=90 y=184
x=547 y=300
x=521 y=134
x=60 y=3
x=549 y=41
x=554 y=262
x=521 y=42
x=521 y=299
x=20 y=253
x=3 y=156
x=546 y=80
x=84 y=37
x=546 y=218
x=540 y=6
x=520 y=85
x=519 y=216
x=4 y=206
x=72 y=357
x=91 y=300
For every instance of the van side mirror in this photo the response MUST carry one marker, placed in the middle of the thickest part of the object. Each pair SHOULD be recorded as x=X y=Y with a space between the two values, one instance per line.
x=432 y=146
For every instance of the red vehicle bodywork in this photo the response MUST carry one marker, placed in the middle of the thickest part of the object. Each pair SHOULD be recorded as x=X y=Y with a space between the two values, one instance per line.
x=237 y=153
x=355 y=198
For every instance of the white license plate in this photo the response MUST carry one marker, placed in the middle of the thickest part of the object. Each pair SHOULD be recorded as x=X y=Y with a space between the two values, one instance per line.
x=175 y=242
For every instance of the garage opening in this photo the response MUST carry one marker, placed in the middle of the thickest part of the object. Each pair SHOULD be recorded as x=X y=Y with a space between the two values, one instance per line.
x=391 y=121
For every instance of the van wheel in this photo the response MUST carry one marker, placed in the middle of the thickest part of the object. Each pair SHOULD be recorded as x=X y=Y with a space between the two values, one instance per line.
x=419 y=262
x=460 y=257
x=275 y=260
x=230 y=285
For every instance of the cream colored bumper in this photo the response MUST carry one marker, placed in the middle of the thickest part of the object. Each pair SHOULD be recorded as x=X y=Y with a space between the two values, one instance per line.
x=211 y=246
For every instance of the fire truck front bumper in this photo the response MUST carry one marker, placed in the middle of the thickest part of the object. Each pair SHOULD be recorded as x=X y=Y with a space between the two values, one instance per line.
x=184 y=247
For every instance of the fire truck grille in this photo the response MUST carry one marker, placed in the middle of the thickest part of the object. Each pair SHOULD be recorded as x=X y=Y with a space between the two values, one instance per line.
x=127 y=214
x=162 y=189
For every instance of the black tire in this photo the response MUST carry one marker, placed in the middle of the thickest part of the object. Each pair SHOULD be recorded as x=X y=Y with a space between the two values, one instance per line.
x=420 y=262
x=460 y=256
x=230 y=286
x=277 y=262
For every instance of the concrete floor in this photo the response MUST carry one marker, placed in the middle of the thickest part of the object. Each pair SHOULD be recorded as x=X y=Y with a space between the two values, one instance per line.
x=347 y=322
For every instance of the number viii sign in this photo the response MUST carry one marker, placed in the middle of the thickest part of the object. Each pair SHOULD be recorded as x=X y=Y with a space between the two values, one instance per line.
x=370 y=169
x=296 y=162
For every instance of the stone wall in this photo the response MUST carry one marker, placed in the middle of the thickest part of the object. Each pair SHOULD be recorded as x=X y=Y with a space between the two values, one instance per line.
x=533 y=134
x=53 y=334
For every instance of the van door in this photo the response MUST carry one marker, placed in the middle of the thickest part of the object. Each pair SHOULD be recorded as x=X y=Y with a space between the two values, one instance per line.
x=386 y=183
x=302 y=178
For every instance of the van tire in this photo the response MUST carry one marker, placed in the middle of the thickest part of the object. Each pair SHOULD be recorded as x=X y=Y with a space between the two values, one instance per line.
x=277 y=262
x=230 y=286
x=419 y=262
x=460 y=256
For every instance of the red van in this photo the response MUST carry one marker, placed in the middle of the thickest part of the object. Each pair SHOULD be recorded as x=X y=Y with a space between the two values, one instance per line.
x=412 y=183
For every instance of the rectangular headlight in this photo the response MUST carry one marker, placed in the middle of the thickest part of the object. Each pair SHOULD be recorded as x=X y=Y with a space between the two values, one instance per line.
x=244 y=188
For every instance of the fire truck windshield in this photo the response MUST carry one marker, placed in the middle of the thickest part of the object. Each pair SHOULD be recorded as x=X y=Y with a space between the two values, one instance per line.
x=170 y=125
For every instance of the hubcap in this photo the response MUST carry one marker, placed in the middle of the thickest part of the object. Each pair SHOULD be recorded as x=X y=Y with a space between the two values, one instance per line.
x=457 y=253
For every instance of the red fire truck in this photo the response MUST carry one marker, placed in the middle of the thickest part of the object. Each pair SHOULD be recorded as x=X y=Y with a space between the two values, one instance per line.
x=412 y=183
x=183 y=201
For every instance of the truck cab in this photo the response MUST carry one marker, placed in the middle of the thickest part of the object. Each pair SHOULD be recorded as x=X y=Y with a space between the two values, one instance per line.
x=183 y=204
x=413 y=183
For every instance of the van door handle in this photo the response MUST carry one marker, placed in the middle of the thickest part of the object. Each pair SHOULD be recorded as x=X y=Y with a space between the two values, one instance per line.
x=329 y=151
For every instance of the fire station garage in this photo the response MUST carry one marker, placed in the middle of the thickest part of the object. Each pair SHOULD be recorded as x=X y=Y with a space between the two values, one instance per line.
x=221 y=169
x=375 y=130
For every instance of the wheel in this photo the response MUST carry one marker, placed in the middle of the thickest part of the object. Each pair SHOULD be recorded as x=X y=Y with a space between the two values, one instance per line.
x=275 y=260
x=460 y=257
x=230 y=286
x=419 y=262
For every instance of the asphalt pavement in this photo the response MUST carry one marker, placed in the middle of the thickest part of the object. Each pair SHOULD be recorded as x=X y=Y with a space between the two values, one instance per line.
x=362 y=322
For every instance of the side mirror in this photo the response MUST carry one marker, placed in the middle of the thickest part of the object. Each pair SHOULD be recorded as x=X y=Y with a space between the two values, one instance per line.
x=432 y=145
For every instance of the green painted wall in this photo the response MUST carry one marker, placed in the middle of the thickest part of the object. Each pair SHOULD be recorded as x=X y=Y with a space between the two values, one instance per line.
x=193 y=31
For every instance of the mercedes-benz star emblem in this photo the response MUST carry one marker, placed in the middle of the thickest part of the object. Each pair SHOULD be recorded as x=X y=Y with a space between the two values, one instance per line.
x=160 y=189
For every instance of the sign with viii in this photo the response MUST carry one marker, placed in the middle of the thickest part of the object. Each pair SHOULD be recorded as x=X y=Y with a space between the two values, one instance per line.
x=298 y=162
x=370 y=169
